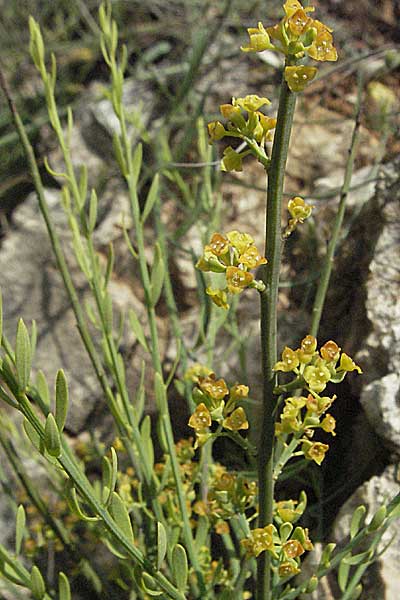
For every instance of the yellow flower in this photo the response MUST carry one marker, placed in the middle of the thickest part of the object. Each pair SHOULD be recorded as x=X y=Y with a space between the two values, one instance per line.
x=287 y=511
x=260 y=539
x=231 y=161
x=200 y=420
x=216 y=388
x=216 y=130
x=236 y=420
x=298 y=77
x=298 y=209
x=330 y=351
x=317 y=376
x=315 y=451
x=287 y=569
x=328 y=424
x=299 y=22
x=218 y=245
x=293 y=548
x=233 y=114
x=195 y=371
x=259 y=39
x=289 y=361
x=240 y=241
x=251 y=258
x=322 y=47
x=251 y=103
x=237 y=279
x=348 y=364
x=291 y=6
x=238 y=392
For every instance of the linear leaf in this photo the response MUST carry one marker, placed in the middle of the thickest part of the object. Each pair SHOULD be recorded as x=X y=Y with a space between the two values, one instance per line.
x=157 y=275
x=151 y=198
x=161 y=544
x=38 y=587
x=52 y=437
x=64 y=590
x=22 y=355
x=137 y=329
x=180 y=567
x=61 y=399
x=19 y=528
x=120 y=514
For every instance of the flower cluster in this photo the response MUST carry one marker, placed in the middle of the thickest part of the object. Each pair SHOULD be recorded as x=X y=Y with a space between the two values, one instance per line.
x=248 y=123
x=295 y=36
x=234 y=255
x=286 y=545
x=229 y=494
x=215 y=402
x=301 y=415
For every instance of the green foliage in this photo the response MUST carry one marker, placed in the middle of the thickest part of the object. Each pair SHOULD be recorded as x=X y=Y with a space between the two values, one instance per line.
x=159 y=516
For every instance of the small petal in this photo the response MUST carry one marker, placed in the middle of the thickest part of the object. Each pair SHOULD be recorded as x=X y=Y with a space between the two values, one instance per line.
x=237 y=279
x=236 y=420
x=259 y=40
x=219 y=297
x=251 y=103
x=232 y=161
x=298 y=77
x=348 y=364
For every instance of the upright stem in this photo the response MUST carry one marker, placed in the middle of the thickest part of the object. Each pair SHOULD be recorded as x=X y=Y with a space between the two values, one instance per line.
x=330 y=252
x=269 y=298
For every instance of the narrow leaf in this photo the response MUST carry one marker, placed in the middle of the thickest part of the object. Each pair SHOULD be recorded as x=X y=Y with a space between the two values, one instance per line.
x=93 y=205
x=378 y=519
x=33 y=436
x=137 y=162
x=151 y=198
x=150 y=586
x=120 y=515
x=22 y=356
x=64 y=590
x=38 y=587
x=161 y=544
x=157 y=275
x=33 y=338
x=110 y=264
x=19 y=528
x=145 y=431
x=356 y=520
x=73 y=502
x=356 y=559
x=137 y=329
x=52 y=437
x=61 y=399
x=180 y=567
x=161 y=393
x=343 y=575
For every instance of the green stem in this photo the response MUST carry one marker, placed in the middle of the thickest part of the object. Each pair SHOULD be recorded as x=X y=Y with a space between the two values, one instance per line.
x=329 y=257
x=270 y=277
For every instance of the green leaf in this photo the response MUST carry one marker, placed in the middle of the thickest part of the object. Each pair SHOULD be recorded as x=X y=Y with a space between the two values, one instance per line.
x=151 y=198
x=52 y=439
x=157 y=275
x=73 y=502
x=137 y=162
x=19 y=528
x=119 y=154
x=110 y=264
x=356 y=559
x=343 y=575
x=180 y=567
x=357 y=520
x=93 y=205
x=326 y=554
x=120 y=515
x=150 y=586
x=22 y=356
x=137 y=329
x=108 y=312
x=161 y=393
x=145 y=432
x=38 y=587
x=61 y=399
x=161 y=544
x=43 y=388
x=33 y=436
x=378 y=519
x=64 y=590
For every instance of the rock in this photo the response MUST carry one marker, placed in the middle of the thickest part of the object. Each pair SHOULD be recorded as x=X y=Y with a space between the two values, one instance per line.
x=32 y=288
